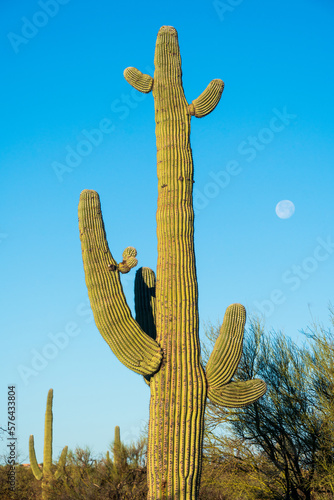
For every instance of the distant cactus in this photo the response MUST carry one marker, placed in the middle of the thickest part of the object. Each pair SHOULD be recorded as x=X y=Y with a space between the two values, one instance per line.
x=46 y=475
x=108 y=460
x=119 y=451
x=117 y=447
x=163 y=343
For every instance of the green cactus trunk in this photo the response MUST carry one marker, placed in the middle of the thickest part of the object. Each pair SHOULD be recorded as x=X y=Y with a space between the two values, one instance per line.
x=117 y=449
x=47 y=452
x=47 y=475
x=163 y=343
x=178 y=390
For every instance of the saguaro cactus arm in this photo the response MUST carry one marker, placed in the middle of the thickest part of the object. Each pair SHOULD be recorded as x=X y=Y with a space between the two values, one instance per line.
x=129 y=260
x=227 y=350
x=138 y=80
x=33 y=461
x=208 y=100
x=145 y=303
x=61 y=463
x=132 y=346
x=224 y=361
x=108 y=460
x=145 y=300
x=238 y=394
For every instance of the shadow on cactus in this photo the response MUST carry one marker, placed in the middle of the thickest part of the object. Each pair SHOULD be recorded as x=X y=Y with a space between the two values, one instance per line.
x=162 y=344
x=47 y=474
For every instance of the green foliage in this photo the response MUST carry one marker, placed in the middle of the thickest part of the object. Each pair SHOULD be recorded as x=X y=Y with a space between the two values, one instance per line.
x=27 y=487
x=320 y=362
x=288 y=426
x=238 y=470
x=123 y=477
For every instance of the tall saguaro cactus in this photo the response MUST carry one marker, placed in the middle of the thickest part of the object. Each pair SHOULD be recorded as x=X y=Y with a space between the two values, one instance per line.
x=163 y=343
x=46 y=475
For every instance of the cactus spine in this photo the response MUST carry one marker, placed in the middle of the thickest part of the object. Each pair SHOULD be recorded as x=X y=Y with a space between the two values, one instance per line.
x=167 y=313
x=46 y=475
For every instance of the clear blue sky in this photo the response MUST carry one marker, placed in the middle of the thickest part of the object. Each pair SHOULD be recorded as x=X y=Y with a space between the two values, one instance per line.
x=269 y=139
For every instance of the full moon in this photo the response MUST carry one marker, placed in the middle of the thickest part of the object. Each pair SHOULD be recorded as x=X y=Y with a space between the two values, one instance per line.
x=285 y=209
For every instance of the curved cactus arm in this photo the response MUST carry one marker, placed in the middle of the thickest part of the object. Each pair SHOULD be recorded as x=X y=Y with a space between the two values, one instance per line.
x=145 y=300
x=238 y=394
x=47 y=457
x=208 y=99
x=227 y=350
x=61 y=463
x=224 y=361
x=138 y=80
x=133 y=347
x=108 y=459
x=33 y=461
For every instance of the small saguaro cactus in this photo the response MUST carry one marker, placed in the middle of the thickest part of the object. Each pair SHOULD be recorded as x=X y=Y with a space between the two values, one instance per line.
x=108 y=460
x=117 y=447
x=46 y=475
x=163 y=342
x=118 y=451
